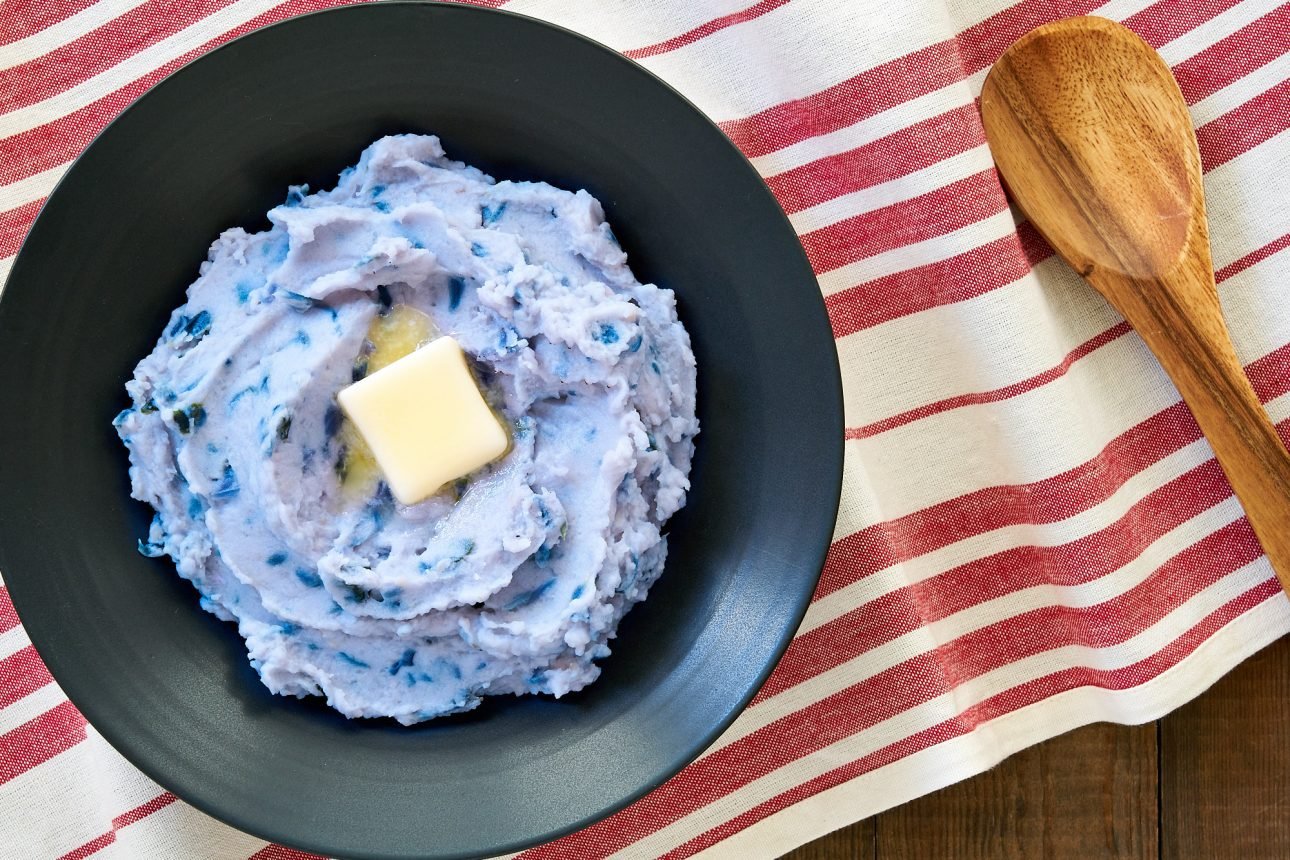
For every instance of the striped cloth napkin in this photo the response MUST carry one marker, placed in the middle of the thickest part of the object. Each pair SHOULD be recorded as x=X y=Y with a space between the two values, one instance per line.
x=1033 y=534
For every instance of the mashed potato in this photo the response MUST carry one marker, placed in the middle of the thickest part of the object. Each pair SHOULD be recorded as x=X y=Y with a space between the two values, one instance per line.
x=514 y=579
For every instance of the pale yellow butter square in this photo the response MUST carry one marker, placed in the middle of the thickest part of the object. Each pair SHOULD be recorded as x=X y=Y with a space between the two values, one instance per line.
x=425 y=420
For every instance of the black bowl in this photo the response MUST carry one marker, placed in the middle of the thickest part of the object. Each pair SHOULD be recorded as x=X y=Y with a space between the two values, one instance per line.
x=215 y=145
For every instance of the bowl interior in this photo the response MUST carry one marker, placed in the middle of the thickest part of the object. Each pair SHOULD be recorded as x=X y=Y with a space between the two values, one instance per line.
x=215 y=146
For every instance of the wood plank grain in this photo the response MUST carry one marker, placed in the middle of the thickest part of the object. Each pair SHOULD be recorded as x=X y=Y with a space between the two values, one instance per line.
x=850 y=843
x=1089 y=793
x=1225 y=766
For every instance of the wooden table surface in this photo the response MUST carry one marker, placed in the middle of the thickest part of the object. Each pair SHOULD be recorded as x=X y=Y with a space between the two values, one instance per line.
x=1211 y=780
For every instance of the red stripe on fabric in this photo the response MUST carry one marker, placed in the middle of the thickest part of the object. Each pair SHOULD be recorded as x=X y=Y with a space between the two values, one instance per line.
x=1034 y=246
x=75 y=62
x=1042 y=502
x=281 y=852
x=1270 y=375
x=912 y=683
x=14 y=225
x=1162 y=22
x=1040 y=379
x=894 y=82
x=1047 y=376
x=1240 y=130
x=1086 y=559
x=926 y=216
x=1003 y=261
x=123 y=820
x=1232 y=58
x=707 y=29
x=8 y=615
x=994 y=396
x=1252 y=258
x=981 y=44
x=37 y=741
x=937 y=66
x=932 y=140
x=23 y=18
x=1050 y=500
x=21 y=674
x=62 y=139
x=92 y=847
x=961 y=277
x=991 y=266
x=913 y=148
x=996 y=706
x=143 y=810
x=487 y=4
x=868 y=93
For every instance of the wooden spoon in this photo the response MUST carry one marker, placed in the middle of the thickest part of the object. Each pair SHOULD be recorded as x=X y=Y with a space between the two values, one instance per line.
x=1092 y=137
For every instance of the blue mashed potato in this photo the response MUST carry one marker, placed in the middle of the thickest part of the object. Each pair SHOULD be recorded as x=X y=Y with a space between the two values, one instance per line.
x=511 y=582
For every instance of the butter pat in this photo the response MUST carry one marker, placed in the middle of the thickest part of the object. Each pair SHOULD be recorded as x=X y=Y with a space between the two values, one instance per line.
x=425 y=420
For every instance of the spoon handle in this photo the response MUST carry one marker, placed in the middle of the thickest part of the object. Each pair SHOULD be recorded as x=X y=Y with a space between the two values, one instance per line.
x=1179 y=316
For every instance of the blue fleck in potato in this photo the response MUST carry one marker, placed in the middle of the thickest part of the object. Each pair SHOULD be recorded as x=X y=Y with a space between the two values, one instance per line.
x=510 y=581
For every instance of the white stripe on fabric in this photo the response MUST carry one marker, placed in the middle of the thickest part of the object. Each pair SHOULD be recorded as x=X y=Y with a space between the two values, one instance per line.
x=917 y=254
x=1214 y=30
x=949 y=705
x=1253 y=297
x=628 y=24
x=134 y=67
x=865 y=131
x=861 y=508
x=794 y=52
x=1027 y=328
x=1244 y=199
x=58 y=784
x=1035 y=435
x=179 y=830
x=915 y=110
x=1087 y=522
x=899 y=190
x=124 y=788
x=1119 y=9
x=67 y=30
x=962 y=757
x=30 y=706
x=975 y=82
x=964 y=13
x=34 y=187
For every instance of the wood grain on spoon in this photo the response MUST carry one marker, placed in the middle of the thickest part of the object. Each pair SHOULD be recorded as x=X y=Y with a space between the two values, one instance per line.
x=1091 y=134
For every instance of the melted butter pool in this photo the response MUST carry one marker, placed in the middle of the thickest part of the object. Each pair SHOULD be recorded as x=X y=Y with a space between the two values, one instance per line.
x=389 y=338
